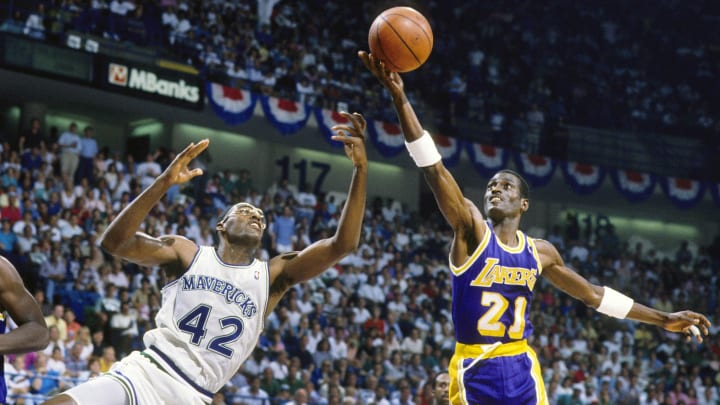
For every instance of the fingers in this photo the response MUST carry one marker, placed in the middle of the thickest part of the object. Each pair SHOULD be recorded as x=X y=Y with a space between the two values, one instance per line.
x=373 y=64
x=361 y=120
x=364 y=57
x=699 y=322
x=358 y=122
x=347 y=140
x=194 y=149
x=353 y=131
x=698 y=326
x=343 y=129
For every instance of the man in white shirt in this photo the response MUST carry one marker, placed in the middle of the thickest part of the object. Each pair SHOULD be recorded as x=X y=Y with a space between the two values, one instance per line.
x=372 y=291
x=306 y=203
x=148 y=170
x=412 y=344
x=70 y=146
x=252 y=394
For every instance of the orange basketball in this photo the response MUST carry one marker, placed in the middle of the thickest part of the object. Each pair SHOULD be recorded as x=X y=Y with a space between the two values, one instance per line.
x=402 y=38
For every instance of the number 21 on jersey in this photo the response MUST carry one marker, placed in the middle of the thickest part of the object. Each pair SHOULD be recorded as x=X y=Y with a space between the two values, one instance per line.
x=489 y=323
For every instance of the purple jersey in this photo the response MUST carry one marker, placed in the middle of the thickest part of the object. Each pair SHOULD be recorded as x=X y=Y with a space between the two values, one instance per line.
x=493 y=289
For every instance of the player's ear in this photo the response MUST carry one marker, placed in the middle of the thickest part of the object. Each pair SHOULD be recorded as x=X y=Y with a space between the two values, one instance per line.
x=524 y=204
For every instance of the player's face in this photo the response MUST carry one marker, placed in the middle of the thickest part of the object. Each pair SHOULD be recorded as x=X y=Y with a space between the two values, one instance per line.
x=502 y=197
x=244 y=220
x=440 y=389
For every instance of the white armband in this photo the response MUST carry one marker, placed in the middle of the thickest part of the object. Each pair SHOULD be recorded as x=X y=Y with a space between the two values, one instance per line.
x=423 y=151
x=615 y=304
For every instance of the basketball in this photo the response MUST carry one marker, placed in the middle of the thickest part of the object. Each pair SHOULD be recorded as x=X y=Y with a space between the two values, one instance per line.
x=401 y=37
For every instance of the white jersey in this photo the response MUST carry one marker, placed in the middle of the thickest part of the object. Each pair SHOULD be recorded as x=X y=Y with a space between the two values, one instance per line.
x=210 y=320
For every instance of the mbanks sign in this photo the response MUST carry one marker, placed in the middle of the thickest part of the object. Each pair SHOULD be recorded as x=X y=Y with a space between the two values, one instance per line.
x=147 y=81
x=156 y=83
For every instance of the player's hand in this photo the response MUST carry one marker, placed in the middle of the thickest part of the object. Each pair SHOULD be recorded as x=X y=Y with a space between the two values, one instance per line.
x=178 y=172
x=684 y=321
x=391 y=80
x=353 y=136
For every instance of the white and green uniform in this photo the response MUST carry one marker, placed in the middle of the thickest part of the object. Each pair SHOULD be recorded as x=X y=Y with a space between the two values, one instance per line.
x=208 y=324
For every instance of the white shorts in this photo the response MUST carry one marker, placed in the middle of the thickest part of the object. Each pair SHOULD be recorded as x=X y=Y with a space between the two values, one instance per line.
x=135 y=380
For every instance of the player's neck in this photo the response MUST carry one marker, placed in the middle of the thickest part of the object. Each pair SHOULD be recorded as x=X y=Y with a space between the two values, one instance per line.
x=235 y=254
x=506 y=231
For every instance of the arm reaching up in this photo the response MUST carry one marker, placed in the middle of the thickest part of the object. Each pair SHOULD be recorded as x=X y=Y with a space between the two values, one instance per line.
x=296 y=267
x=122 y=237
x=461 y=214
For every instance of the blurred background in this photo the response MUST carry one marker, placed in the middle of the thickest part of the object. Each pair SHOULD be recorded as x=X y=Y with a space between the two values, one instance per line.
x=609 y=109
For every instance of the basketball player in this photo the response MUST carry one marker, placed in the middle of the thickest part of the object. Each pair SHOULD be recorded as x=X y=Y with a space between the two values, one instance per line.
x=213 y=313
x=32 y=333
x=494 y=269
x=441 y=383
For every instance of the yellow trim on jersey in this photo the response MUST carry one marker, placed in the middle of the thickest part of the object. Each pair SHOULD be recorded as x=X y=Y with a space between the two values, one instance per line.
x=517 y=249
x=506 y=349
x=478 y=251
x=535 y=253
x=536 y=374
x=457 y=391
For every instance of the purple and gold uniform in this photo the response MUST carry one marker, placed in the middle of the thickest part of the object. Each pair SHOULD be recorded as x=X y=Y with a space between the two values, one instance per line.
x=3 y=383
x=492 y=291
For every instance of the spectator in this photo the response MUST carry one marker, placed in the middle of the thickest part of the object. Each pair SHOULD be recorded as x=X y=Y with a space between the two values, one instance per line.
x=57 y=319
x=88 y=152
x=35 y=23
x=252 y=394
x=33 y=137
x=70 y=146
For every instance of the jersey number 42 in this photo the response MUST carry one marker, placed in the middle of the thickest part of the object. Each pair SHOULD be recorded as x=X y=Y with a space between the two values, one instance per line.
x=195 y=323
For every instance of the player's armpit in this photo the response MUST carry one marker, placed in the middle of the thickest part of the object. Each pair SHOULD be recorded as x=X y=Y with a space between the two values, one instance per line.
x=146 y=250
x=565 y=278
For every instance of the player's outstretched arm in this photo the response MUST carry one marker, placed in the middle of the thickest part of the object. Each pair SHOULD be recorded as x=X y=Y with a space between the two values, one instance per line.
x=297 y=267
x=122 y=237
x=613 y=303
x=422 y=149
x=32 y=332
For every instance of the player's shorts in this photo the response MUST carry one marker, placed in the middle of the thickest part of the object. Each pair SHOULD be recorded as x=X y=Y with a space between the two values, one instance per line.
x=496 y=374
x=136 y=380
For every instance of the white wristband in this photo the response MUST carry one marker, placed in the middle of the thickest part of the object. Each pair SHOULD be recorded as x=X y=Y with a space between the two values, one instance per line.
x=423 y=151
x=615 y=304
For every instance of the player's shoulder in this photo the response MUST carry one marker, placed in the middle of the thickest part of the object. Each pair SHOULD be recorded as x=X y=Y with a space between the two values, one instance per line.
x=543 y=246
x=177 y=241
x=283 y=258
x=8 y=272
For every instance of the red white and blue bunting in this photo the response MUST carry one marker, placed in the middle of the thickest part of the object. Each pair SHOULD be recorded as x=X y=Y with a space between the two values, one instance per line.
x=326 y=119
x=715 y=192
x=634 y=186
x=286 y=116
x=583 y=178
x=387 y=137
x=684 y=193
x=449 y=148
x=236 y=106
x=487 y=159
x=233 y=106
x=536 y=169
